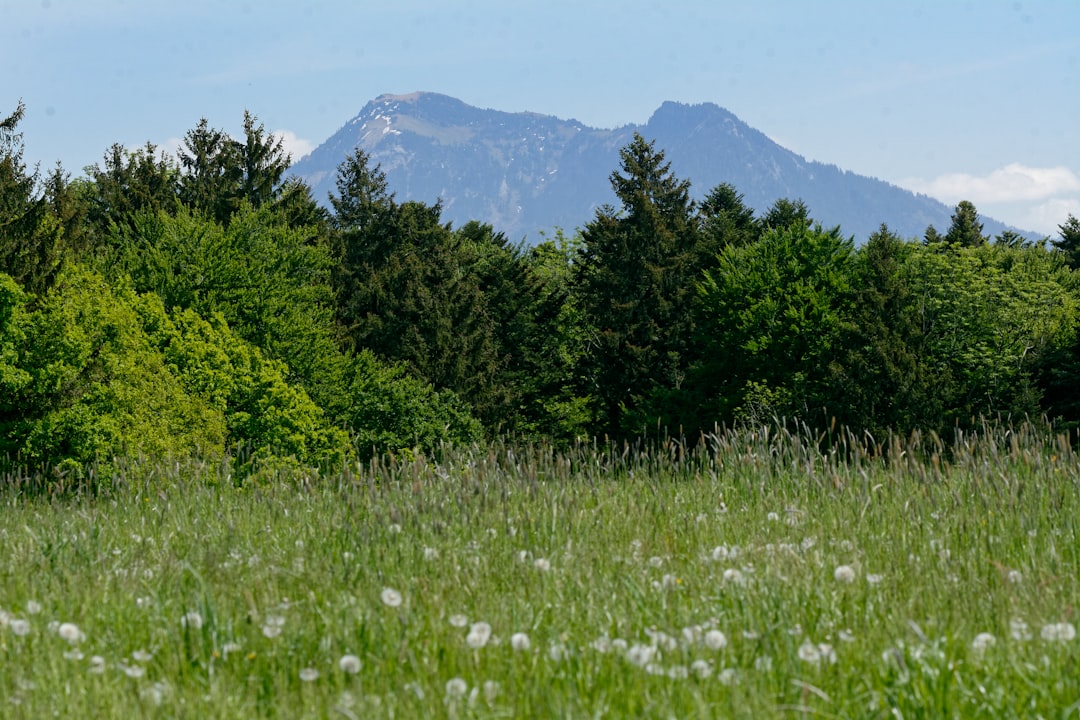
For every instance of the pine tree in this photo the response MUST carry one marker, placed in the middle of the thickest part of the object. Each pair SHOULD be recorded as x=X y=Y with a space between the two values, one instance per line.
x=637 y=283
x=965 y=229
x=1068 y=241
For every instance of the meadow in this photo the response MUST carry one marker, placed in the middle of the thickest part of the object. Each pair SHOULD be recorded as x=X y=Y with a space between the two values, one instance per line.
x=764 y=573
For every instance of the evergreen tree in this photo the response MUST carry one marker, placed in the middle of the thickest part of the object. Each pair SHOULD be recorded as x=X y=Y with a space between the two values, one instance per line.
x=636 y=283
x=726 y=220
x=130 y=182
x=785 y=213
x=965 y=229
x=1068 y=242
x=30 y=236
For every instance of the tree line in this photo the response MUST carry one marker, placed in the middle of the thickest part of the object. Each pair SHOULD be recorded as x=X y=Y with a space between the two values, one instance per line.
x=209 y=304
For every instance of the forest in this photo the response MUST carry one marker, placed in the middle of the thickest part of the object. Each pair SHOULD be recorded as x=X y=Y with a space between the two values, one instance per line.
x=208 y=305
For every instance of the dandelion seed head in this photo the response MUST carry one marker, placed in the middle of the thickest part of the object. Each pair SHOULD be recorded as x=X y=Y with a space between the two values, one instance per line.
x=491 y=691
x=542 y=564
x=192 y=620
x=394 y=528
x=142 y=656
x=271 y=631
x=728 y=676
x=70 y=632
x=456 y=688
x=983 y=642
x=1058 y=632
x=520 y=641
x=874 y=579
x=715 y=640
x=808 y=652
x=431 y=553
x=391 y=597
x=844 y=574
x=640 y=655
x=1019 y=630
x=309 y=674
x=33 y=607
x=733 y=576
x=1016 y=577
x=763 y=663
x=97 y=665
x=478 y=636
x=701 y=668
x=134 y=671
x=678 y=672
x=349 y=664
x=19 y=627
x=73 y=654
x=656 y=561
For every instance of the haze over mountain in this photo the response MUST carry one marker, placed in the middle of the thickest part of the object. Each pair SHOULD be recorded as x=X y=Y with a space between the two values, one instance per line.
x=527 y=173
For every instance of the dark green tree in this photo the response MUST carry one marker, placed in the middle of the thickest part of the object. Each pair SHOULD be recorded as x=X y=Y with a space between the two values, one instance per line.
x=726 y=220
x=1068 y=242
x=129 y=183
x=31 y=238
x=965 y=229
x=785 y=213
x=636 y=280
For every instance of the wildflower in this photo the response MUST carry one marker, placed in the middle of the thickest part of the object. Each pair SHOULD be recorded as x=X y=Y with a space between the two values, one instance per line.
x=273 y=625
x=728 y=676
x=844 y=574
x=73 y=654
x=394 y=528
x=733 y=576
x=134 y=671
x=773 y=517
x=97 y=665
x=520 y=641
x=874 y=579
x=808 y=652
x=557 y=652
x=391 y=597
x=431 y=553
x=491 y=691
x=669 y=581
x=982 y=642
x=456 y=688
x=656 y=561
x=478 y=636
x=142 y=656
x=678 y=672
x=1019 y=630
x=827 y=653
x=1015 y=577
x=192 y=620
x=846 y=636
x=715 y=640
x=309 y=674
x=602 y=644
x=640 y=655
x=349 y=664
x=701 y=668
x=459 y=620
x=1058 y=632
x=153 y=694
x=71 y=633
x=33 y=607
x=542 y=564
x=19 y=627
x=763 y=663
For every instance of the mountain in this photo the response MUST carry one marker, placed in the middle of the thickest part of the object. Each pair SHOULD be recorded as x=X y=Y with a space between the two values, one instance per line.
x=527 y=173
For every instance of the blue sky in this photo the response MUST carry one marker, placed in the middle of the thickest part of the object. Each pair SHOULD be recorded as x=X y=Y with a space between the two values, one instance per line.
x=961 y=99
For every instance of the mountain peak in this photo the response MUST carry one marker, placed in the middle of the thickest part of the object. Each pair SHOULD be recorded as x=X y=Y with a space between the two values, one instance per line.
x=527 y=173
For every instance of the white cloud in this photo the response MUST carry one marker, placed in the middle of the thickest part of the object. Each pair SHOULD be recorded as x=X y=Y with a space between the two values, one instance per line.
x=1012 y=183
x=296 y=147
x=1025 y=197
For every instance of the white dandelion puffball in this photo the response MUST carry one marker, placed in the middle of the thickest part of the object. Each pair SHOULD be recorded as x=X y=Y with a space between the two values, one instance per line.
x=192 y=620
x=1058 y=632
x=701 y=668
x=97 y=665
x=715 y=640
x=844 y=574
x=542 y=564
x=456 y=688
x=808 y=652
x=431 y=553
x=19 y=627
x=983 y=642
x=134 y=671
x=142 y=656
x=733 y=576
x=33 y=607
x=391 y=597
x=309 y=674
x=640 y=655
x=874 y=579
x=478 y=636
x=349 y=664
x=728 y=676
x=1019 y=630
x=520 y=641
x=459 y=621
x=1016 y=577
x=71 y=633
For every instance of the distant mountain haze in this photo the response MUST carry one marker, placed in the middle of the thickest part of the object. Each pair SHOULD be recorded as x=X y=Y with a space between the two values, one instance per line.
x=527 y=173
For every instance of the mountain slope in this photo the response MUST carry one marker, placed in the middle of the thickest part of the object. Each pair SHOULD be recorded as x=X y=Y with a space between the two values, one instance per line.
x=526 y=173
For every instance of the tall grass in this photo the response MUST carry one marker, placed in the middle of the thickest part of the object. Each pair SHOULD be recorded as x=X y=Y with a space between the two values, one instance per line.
x=763 y=572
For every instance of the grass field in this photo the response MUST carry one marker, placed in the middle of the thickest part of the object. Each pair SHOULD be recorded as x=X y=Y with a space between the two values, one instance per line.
x=758 y=576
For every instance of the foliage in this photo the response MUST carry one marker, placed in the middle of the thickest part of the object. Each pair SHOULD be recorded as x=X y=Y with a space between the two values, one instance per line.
x=635 y=285
x=93 y=372
x=31 y=238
